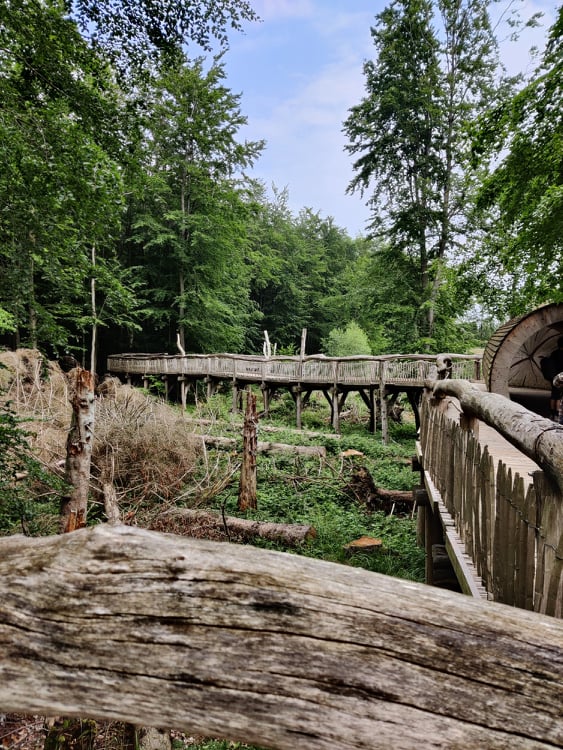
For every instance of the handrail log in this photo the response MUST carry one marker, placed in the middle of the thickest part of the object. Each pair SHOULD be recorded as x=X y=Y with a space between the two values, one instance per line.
x=537 y=437
x=275 y=649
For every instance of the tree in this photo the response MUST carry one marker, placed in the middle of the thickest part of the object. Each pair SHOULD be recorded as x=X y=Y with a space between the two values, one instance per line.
x=521 y=199
x=60 y=183
x=137 y=31
x=408 y=133
x=298 y=265
x=190 y=226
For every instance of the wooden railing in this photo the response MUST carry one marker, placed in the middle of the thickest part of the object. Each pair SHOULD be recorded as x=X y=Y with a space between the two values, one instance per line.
x=513 y=535
x=361 y=370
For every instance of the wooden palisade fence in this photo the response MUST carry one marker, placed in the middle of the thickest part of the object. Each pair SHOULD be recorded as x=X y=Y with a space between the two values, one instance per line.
x=512 y=533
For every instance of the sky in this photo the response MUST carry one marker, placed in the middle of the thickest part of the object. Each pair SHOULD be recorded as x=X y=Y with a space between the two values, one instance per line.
x=299 y=71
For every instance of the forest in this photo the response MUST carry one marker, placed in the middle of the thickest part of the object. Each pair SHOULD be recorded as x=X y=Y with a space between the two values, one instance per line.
x=130 y=220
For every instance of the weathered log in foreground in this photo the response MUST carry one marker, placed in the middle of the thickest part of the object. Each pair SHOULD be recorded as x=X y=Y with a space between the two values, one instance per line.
x=275 y=649
x=537 y=437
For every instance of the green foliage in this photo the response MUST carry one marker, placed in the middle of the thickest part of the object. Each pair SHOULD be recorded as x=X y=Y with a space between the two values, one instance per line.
x=60 y=183
x=424 y=86
x=133 y=32
x=293 y=489
x=27 y=491
x=520 y=263
x=345 y=342
x=189 y=223
x=210 y=744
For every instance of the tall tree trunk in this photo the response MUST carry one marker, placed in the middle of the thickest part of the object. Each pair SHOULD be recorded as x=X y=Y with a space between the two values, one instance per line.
x=79 y=451
x=93 y=350
x=247 y=488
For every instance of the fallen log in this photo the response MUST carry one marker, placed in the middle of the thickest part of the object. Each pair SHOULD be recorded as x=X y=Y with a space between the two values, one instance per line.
x=315 y=451
x=192 y=522
x=265 y=647
x=237 y=426
x=537 y=437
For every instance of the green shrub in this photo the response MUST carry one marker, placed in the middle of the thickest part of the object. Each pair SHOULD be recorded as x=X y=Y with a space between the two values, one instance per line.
x=347 y=342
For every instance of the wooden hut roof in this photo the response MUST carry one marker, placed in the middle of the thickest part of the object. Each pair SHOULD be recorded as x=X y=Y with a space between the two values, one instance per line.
x=513 y=353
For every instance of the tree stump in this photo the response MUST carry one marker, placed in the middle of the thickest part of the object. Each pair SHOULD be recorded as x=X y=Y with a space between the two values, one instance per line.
x=247 y=497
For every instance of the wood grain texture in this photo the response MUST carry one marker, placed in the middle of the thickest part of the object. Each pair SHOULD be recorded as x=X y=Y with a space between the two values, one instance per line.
x=275 y=649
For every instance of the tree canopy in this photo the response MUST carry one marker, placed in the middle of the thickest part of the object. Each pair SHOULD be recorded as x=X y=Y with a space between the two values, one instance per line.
x=129 y=219
x=521 y=197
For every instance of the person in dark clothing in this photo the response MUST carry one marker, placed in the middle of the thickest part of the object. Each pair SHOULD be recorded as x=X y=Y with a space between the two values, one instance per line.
x=558 y=383
x=555 y=366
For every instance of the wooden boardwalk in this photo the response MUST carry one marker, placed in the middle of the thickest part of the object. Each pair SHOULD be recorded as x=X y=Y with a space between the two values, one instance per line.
x=501 y=450
x=378 y=380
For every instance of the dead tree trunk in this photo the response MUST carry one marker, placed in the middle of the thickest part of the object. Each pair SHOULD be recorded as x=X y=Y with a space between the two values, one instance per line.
x=195 y=522
x=247 y=487
x=267 y=648
x=74 y=507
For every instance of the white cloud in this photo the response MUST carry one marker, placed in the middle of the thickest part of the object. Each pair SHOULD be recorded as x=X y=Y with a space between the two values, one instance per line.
x=270 y=10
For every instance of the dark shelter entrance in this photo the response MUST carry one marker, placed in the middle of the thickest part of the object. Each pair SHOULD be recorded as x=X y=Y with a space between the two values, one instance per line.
x=513 y=355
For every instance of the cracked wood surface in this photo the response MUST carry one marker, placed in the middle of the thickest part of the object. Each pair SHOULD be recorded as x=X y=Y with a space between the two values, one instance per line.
x=275 y=649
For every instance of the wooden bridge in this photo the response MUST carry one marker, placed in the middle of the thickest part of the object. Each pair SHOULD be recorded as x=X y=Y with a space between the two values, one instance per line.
x=482 y=500
x=376 y=379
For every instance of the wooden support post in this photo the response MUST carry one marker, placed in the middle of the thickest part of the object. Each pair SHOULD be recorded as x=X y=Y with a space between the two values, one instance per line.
x=335 y=411
x=145 y=382
x=420 y=504
x=183 y=389
x=210 y=384
x=166 y=387
x=433 y=534
x=234 y=406
x=247 y=497
x=265 y=398
x=298 y=398
x=384 y=420
x=372 y=410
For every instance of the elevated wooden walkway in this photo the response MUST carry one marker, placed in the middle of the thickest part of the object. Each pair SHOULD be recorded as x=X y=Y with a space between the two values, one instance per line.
x=374 y=378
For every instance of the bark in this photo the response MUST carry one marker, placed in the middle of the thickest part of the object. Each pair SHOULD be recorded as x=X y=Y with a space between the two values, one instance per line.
x=74 y=507
x=362 y=487
x=273 y=649
x=537 y=437
x=195 y=521
x=247 y=497
x=111 y=506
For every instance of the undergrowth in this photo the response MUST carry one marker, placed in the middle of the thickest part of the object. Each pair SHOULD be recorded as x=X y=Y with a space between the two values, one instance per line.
x=155 y=457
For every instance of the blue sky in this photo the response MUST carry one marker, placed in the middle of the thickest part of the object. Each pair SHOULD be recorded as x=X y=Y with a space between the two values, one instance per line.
x=299 y=71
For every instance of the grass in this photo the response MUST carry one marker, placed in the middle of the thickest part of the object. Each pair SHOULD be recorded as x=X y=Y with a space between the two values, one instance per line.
x=154 y=458
x=312 y=491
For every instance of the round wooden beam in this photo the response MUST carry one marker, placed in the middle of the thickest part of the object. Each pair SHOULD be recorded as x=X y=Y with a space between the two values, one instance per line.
x=269 y=648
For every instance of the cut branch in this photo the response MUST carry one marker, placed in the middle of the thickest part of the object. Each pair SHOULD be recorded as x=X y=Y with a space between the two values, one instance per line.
x=315 y=451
